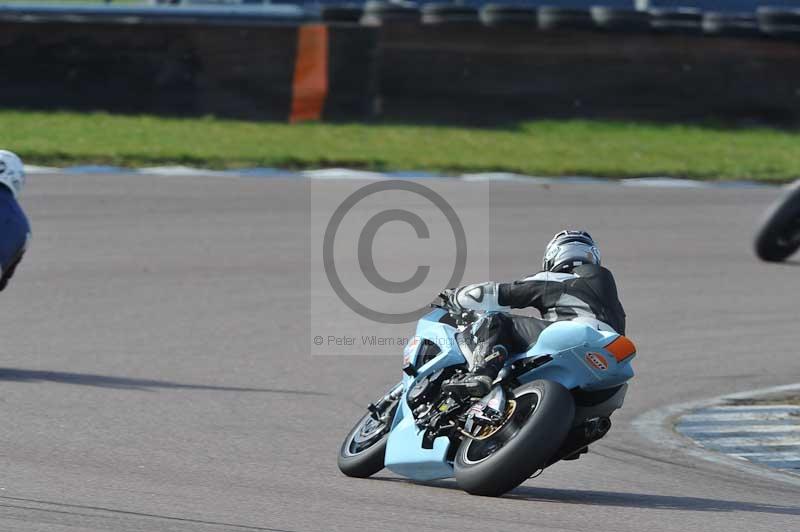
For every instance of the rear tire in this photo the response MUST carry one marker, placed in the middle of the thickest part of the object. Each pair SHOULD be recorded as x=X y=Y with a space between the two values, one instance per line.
x=778 y=236
x=540 y=423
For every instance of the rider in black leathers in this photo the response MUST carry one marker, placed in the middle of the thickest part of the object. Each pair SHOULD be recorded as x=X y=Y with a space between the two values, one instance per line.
x=572 y=286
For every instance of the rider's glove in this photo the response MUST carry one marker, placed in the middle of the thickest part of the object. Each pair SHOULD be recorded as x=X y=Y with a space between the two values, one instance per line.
x=482 y=297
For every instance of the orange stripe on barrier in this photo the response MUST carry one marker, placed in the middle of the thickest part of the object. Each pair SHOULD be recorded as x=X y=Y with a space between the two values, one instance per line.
x=310 y=84
x=621 y=348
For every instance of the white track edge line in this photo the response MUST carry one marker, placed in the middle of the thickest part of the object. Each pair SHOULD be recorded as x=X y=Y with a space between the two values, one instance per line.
x=344 y=174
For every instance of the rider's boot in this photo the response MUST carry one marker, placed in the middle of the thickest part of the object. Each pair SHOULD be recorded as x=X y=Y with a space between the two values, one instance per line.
x=478 y=382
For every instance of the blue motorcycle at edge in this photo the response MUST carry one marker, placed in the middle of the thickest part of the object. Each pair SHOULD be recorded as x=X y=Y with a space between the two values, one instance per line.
x=548 y=404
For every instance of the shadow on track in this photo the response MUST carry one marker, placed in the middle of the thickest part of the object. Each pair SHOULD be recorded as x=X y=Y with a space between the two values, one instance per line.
x=126 y=383
x=642 y=500
x=624 y=500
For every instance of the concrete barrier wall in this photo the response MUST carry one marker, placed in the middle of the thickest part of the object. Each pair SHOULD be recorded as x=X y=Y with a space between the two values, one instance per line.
x=167 y=69
x=446 y=73
x=230 y=70
x=481 y=74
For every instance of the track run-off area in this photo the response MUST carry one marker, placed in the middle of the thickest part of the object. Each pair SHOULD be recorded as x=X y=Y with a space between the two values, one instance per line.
x=156 y=372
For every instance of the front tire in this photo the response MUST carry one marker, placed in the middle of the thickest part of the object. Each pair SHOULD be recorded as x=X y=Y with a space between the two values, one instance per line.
x=363 y=451
x=779 y=234
x=541 y=420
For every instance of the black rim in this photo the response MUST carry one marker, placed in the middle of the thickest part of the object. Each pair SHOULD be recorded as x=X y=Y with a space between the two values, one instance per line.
x=479 y=450
x=367 y=433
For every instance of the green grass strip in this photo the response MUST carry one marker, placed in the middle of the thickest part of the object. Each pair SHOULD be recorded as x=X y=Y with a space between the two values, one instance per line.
x=551 y=148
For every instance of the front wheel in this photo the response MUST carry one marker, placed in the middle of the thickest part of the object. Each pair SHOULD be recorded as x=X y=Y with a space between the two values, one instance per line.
x=363 y=450
x=542 y=416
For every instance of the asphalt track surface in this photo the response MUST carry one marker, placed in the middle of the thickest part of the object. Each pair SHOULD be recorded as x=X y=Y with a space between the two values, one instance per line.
x=156 y=372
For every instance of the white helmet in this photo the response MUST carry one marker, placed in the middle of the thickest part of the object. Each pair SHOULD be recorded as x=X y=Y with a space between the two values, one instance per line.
x=569 y=249
x=12 y=172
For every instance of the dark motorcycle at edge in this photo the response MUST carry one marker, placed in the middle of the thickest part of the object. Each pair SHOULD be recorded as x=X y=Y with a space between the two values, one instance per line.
x=778 y=235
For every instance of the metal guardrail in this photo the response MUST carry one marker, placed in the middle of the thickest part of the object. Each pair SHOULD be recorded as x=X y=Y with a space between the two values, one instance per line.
x=143 y=14
x=545 y=63
x=717 y=5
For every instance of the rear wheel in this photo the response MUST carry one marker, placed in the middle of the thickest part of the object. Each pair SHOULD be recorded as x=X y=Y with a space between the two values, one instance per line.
x=779 y=234
x=542 y=415
x=363 y=451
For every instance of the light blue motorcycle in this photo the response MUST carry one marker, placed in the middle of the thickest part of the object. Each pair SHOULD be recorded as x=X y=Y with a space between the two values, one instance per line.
x=547 y=404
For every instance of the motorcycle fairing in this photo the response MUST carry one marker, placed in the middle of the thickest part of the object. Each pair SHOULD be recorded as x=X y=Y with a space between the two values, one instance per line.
x=404 y=452
x=572 y=346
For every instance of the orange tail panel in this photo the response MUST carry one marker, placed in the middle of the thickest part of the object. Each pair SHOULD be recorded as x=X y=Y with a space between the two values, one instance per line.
x=621 y=348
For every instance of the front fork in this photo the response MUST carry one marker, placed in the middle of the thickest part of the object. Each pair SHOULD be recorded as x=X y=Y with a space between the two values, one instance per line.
x=377 y=410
